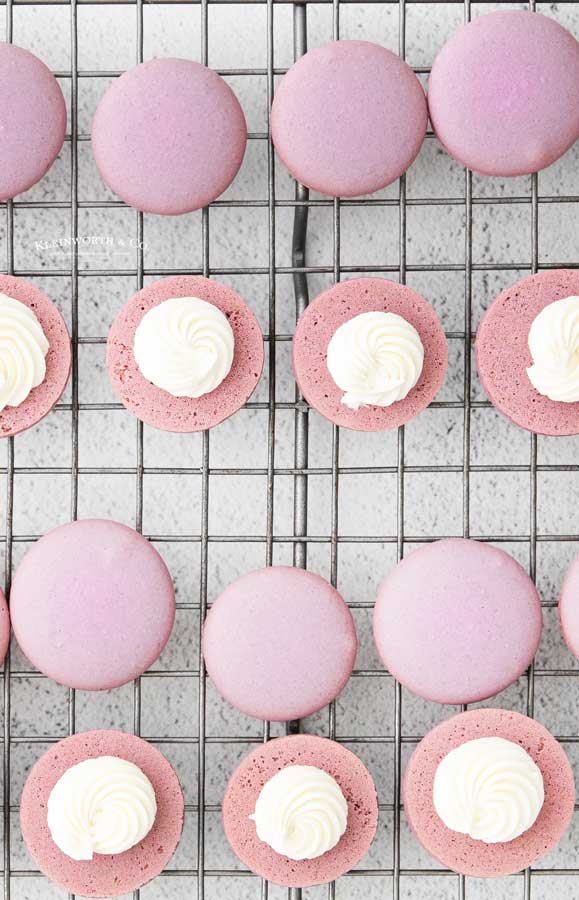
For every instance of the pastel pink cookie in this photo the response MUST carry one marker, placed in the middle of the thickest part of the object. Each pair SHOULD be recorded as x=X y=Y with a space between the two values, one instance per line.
x=279 y=643
x=459 y=851
x=92 y=604
x=503 y=355
x=41 y=399
x=104 y=875
x=569 y=607
x=348 y=118
x=503 y=93
x=158 y=407
x=32 y=120
x=341 y=303
x=169 y=136
x=4 y=627
x=261 y=765
x=457 y=621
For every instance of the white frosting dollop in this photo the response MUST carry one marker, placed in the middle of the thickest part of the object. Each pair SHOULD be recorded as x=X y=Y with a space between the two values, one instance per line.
x=488 y=788
x=554 y=346
x=102 y=805
x=184 y=346
x=23 y=348
x=301 y=812
x=376 y=358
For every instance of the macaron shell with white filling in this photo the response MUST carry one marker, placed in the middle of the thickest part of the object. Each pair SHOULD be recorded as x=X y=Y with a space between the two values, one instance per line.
x=41 y=399
x=503 y=355
x=104 y=875
x=459 y=851
x=262 y=764
x=157 y=407
x=342 y=302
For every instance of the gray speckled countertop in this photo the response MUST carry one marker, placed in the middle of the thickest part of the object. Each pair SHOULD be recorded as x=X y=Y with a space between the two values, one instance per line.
x=500 y=502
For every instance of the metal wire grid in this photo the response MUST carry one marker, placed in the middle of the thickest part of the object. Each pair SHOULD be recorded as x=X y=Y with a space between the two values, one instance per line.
x=301 y=471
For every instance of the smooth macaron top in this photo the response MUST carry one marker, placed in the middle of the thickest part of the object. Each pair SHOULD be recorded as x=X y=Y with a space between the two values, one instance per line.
x=32 y=120
x=92 y=604
x=279 y=643
x=106 y=875
x=258 y=767
x=348 y=118
x=338 y=305
x=169 y=136
x=459 y=851
x=569 y=607
x=503 y=355
x=457 y=621
x=503 y=93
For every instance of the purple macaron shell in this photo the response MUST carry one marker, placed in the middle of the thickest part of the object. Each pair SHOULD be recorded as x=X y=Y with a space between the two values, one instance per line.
x=503 y=93
x=154 y=405
x=41 y=399
x=92 y=604
x=348 y=118
x=300 y=750
x=106 y=875
x=459 y=851
x=569 y=607
x=503 y=355
x=169 y=136
x=457 y=621
x=337 y=305
x=279 y=643
x=32 y=120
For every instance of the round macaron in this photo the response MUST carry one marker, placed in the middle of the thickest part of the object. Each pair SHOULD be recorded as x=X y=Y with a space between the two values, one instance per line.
x=503 y=93
x=457 y=621
x=92 y=604
x=569 y=607
x=503 y=355
x=106 y=875
x=459 y=851
x=32 y=120
x=41 y=399
x=156 y=406
x=259 y=767
x=4 y=627
x=279 y=643
x=169 y=136
x=348 y=118
x=338 y=305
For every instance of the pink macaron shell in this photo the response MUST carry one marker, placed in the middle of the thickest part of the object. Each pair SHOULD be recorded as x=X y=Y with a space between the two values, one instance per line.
x=262 y=764
x=41 y=399
x=339 y=304
x=4 y=627
x=32 y=120
x=503 y=355
x=503 y=93
x=457 y=621
x=154 y=405
x=348 y=118
x=105 y=875
x=92 y=604
x=279 y=643
x=569 y=607
x=169 y=136
x=459 y=851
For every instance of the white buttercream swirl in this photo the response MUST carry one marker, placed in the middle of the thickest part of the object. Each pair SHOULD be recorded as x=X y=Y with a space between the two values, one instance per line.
x=301 y=812
x=488 y=788
x=184 y=346
x=23 y=348
x=554 y=346
x=102 y=805
x=376 y=358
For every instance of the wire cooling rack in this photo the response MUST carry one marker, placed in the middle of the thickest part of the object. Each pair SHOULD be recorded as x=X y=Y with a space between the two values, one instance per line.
x=396 y=868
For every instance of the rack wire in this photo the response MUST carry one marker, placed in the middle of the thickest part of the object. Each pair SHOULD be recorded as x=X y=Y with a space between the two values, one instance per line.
x=301 y=472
